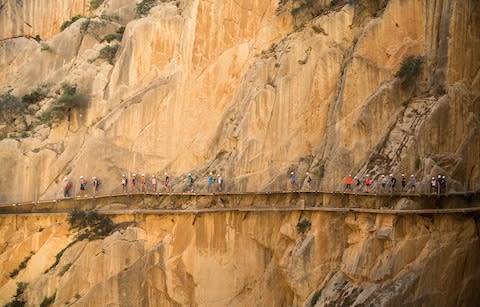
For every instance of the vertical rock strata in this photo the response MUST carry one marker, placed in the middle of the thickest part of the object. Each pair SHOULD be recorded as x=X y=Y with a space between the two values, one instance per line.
x=238 y=259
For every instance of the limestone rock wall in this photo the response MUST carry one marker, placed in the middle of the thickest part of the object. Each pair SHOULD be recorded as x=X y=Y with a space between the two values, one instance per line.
x=233 y=259
x=249 y=90
x=37 y=17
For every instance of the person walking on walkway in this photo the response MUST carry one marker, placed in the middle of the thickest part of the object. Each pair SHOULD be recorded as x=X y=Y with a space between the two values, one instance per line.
x=190 y=182
x=67 y=187
x=220 y=183
x=124 y=183
x=134 y=182
x=166 y=183
x=210 y=182
x=357 y=183
x=95 y=184
x=367 y=182
x=143 y=183
x=393 y=182
x=403 y=182
x=443 y=185
x=83 y=186
x=383 y=181
x=413 y=183
x=348 y=181
x=308 y=181
x=293 y=181
x=154 y=183
x=433 y=186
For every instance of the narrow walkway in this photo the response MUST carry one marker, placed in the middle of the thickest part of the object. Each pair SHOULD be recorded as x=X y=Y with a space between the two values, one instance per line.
x=189 y=203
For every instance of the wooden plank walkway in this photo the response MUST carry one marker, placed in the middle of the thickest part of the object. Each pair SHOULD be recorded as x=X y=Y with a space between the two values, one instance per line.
x=283 y=201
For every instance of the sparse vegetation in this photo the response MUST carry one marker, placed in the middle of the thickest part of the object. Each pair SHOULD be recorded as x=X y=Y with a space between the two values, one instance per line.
x=90 y=224
x=410 y=68
x=10 y=107
x=22 y=265
x=65 y=269
x=304 y=5
x=36 y=95
x=108 y=53
x=95 y=4
x=48 y=301
x=315 y=297
x=59 y=256
x=144 y=7
x=118 y=35
x=62 y=106
x=18 y=300
x=68 y=23
x=108 y=17
x=418 y=162
x=84 y=26
x=303 y=226
x=45 y=47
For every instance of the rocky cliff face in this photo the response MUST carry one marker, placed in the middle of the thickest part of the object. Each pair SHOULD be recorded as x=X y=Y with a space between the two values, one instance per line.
x=252 y=90
x=238 y=259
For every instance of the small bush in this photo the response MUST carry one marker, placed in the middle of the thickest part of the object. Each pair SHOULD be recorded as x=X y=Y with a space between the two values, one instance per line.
x=45 y=47
x=303 y=226
x=95 y=4
x=91 y=224
x=304 y=5
x=118 y=35
x=108 y=53
x=315 y=297
x=69 y=99
x=10 y=107
x=144 y=7
x=48 y=301
x=22 y=265
x=65 y=269
x=18 y=300
x=108 y=17
x=68 y=23
x=409 y=70
x=418 y=162
x=59 y=256
x=84 y=26
x=35 y=96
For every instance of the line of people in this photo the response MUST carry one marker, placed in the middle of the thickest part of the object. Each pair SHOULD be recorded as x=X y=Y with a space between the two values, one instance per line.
x=388 y=183
x=134 y=183
x=83 y=185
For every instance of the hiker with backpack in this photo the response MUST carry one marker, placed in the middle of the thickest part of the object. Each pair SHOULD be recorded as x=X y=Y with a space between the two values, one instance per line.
x=166 y=183
x=83 y=186
x=124 y=182
x=143 y=183
x=95 y=184
x=154 y=183
x=308 y=181
x=190 y=182
x=219 y=183
x=67 y=187
x=367 y=183
x=210 y=182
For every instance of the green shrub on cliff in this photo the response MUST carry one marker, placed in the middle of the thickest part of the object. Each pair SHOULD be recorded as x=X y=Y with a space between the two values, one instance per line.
x=108 y=53
x=62 y=106
x=410 y=69
x=303 y=226
x=144 y=7
x=95 y=4
x=10 y=107
x=68 y=23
